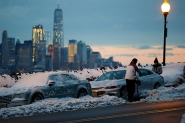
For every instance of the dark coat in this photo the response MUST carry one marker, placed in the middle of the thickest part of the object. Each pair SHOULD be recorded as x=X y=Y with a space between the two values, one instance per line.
x=157 y=69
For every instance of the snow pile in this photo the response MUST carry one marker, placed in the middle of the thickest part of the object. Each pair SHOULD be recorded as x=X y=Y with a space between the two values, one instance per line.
x=165 y=94
x=59 y=105
x=6 y=81
x=173 y=74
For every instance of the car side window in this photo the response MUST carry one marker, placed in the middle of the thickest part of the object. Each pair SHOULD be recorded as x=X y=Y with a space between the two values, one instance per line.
x=55 y=78
x=66 y=77
x=144 y=72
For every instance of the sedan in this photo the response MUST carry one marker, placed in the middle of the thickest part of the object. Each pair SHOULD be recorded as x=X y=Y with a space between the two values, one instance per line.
x=32 y=88
x=113 y=83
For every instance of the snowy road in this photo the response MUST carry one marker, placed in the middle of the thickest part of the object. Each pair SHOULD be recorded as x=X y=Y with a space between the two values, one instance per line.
x=161 y=112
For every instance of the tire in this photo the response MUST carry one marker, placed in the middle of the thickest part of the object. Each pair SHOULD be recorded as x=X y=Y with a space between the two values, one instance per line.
x=82 y=93
x=124 y=93
x=157 y=85
x=37 y=97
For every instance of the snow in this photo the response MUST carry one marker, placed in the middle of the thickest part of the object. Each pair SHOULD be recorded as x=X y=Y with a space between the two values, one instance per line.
x=59 y=105
x=172 y=74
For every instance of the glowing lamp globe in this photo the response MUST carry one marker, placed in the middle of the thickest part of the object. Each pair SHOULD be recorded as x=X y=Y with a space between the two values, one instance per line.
x=165 y=7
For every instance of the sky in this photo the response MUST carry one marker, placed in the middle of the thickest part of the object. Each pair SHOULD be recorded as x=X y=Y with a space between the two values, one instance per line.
x=120 y=28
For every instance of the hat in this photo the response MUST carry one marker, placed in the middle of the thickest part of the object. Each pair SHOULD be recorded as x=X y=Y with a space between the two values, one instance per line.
x=134 y=60
x=156 y=60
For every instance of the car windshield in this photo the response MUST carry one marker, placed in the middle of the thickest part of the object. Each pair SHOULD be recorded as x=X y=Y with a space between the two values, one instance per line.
x=112 y=75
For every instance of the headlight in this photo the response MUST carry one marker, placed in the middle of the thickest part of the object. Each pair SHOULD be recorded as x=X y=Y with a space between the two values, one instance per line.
x=111 y=87
x=19 y=95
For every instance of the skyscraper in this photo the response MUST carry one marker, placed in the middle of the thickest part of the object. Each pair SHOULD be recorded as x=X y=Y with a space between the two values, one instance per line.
x=58 y=34
x=11 y=48
x=5 y=51
x=82 y=52
x=58 y=37
x=37 y=36
x=72 y=51
x=47 y=38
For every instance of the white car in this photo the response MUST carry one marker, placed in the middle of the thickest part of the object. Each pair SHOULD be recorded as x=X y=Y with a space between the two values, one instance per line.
x=113 y=83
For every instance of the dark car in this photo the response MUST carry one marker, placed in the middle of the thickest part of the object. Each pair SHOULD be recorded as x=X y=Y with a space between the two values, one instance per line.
x=36 y=87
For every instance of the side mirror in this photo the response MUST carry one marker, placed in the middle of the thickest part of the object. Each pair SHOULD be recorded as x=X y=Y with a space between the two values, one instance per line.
x=51 y=82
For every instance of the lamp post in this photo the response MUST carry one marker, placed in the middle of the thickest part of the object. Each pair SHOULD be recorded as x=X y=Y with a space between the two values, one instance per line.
x=165 y=7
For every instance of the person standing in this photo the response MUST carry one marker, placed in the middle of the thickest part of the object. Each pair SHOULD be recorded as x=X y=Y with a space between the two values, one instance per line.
x=131 y=76
x=157 y=67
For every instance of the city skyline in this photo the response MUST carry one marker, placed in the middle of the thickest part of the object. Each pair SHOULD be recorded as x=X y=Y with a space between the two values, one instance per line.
x=133 y=25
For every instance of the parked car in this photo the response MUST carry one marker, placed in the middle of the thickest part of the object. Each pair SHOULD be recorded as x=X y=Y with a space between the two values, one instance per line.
x=113 y=83
x=39 y=86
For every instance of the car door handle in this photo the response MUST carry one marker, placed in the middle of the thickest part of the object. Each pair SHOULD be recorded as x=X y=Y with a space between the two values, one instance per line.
x=151 y=77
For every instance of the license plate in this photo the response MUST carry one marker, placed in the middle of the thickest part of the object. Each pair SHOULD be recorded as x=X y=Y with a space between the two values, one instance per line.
x=94 y=94
x=3 y=105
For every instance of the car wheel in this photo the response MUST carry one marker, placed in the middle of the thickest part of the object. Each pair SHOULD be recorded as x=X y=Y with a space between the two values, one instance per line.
x=37 y=97
x=82 y=93
x=124 y=93
x=157 y=85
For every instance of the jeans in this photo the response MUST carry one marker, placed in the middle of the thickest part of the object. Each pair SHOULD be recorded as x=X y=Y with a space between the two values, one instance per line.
x=130 y=89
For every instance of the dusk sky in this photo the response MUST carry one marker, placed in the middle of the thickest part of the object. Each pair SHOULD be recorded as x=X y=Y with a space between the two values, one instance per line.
x=120 y=28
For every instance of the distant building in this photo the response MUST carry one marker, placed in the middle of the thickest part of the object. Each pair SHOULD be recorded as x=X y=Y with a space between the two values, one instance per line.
x=58 y=37
x=47 y=38
x=24 y=56
x=64 y=57
x=95 y=60
x=58 y=34
x=37 y=36
x=5 y=50
x=11 y=55
x=82 y=53
x=41 y=49
x=72 y=50
x=51 y=51
x=89 y=52
x=48 y=63
x=57 y=57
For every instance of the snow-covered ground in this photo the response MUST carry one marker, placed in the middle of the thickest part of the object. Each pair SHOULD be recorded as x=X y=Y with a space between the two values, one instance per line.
x=172 y=74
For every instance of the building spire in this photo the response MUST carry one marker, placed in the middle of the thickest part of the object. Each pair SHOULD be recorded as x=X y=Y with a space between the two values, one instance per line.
x=58 y=3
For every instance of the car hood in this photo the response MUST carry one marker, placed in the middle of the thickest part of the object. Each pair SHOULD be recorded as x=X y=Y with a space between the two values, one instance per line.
x=105 y=83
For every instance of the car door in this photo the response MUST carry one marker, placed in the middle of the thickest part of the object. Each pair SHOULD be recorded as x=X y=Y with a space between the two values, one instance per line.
x=71 y=84
x=146 y=78
x=53 y=91
x=58 y=90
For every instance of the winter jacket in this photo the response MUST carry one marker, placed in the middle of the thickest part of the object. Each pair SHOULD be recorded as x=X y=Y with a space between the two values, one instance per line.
x=184 y=70
x=157 y=69
x=131 y=74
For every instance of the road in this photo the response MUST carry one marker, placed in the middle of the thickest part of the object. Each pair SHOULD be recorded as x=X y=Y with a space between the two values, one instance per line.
x=162 y=112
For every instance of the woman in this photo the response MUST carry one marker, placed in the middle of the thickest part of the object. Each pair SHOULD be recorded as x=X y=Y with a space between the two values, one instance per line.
x=131 y=76
x=157 y=67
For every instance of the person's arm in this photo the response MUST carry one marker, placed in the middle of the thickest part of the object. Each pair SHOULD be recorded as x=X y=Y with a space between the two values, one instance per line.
x=137 y=75
x=159 y=70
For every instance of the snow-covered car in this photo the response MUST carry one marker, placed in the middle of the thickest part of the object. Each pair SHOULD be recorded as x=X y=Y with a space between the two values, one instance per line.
x=38 y=86
x=113 y=83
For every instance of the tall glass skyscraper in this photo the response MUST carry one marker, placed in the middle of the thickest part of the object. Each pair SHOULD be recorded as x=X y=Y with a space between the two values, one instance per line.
x=58 y=37
x=58 y=34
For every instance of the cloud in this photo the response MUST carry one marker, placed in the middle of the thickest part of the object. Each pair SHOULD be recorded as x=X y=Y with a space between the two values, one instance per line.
x=170 y=54
x=181 y=46
x=127 y=55
x=145 y=47
x=154 y=54
x=168 y=48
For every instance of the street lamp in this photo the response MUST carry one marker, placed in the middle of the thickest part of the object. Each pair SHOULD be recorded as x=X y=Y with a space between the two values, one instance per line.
x=165 y=7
